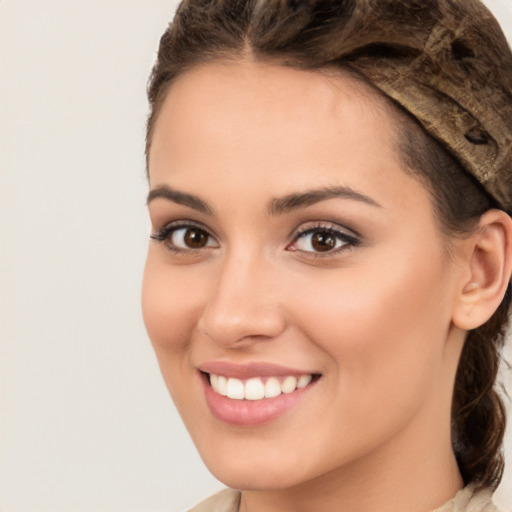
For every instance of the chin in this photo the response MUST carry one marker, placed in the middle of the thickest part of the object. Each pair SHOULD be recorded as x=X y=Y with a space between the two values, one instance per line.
x=247 y=477
x=264 y=464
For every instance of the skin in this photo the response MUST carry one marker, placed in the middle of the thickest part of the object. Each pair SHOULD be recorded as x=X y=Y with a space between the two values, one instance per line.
x=383 y=321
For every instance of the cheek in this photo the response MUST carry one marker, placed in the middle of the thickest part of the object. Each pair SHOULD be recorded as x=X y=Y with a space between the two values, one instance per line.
x=170 y=305
x=384 y=329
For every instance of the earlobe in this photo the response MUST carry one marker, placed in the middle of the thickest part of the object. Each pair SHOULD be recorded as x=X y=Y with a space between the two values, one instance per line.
x=489 y=264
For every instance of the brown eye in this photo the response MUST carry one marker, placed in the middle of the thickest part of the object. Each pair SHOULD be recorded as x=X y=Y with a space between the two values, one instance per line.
x=184 y=237
x=326 y=240
x=190 y=237
x=323 y=241
x=195 y=238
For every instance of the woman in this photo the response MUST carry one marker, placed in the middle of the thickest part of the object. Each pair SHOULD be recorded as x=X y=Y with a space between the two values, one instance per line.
x=328 y=280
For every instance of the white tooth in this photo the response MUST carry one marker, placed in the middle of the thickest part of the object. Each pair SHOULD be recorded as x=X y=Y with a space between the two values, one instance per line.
x=235 y=389
x=214 y=382
x=304 y=381
x=289 y=384
x=222 y=385
x=272 y=388
x=254 y=389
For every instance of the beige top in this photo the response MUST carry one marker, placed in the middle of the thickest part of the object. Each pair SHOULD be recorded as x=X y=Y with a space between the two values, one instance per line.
x=466 y=500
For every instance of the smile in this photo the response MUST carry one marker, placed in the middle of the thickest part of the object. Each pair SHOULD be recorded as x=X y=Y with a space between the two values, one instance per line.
x=254 y=394
x=257 y=388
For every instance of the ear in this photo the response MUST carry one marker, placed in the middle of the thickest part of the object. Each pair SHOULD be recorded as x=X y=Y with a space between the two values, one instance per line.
x=488 y=261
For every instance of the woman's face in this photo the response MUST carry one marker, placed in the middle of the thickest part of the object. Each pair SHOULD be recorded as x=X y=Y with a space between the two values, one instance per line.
x=294 y=258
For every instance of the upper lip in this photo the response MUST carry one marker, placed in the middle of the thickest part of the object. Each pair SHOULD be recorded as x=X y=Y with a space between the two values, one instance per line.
x=250 y=370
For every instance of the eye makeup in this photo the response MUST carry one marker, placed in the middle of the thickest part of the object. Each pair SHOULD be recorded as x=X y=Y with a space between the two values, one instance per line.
x=184 y=236
x=323 y=239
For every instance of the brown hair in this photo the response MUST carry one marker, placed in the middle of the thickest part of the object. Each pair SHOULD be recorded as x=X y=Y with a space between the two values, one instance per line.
x=318 y=34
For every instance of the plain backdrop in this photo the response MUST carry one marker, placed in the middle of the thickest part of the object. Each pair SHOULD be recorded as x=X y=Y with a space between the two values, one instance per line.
x=85 y=420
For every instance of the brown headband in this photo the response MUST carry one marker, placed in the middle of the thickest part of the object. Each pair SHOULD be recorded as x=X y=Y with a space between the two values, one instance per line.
x=453 y=73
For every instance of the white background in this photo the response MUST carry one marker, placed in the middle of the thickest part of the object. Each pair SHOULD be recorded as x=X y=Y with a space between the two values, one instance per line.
x=85 y=420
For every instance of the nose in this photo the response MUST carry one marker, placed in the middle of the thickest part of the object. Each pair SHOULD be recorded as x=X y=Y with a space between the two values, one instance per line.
x=243 y=306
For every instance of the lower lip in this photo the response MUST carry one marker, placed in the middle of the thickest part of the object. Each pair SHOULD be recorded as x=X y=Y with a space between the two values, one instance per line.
x=248 y=413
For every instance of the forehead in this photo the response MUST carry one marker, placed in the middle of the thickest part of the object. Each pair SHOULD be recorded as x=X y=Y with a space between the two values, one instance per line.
x=211 y=96
x=227 y=128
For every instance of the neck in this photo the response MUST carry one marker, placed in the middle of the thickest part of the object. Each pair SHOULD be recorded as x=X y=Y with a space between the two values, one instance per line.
x=366 y=493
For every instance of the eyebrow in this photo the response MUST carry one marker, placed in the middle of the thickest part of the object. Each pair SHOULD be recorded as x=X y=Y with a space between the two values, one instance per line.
x=178 y=197
x=276 y=207
x=303 y=199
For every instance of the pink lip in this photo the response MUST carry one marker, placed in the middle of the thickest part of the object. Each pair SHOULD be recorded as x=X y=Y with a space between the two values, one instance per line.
x=250 y=370
x=249 y=413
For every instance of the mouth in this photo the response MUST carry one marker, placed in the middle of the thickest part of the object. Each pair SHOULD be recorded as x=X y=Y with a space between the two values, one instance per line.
x=252 y=395
x=258 y=388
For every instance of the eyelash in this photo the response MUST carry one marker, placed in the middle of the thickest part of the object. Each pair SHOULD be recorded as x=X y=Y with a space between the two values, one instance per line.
x=349 y=241
x=164 y=235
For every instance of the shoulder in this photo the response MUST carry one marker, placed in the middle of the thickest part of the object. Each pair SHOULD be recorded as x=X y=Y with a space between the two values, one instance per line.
x=224 y=501
x=467 y=500
x=470 y=499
